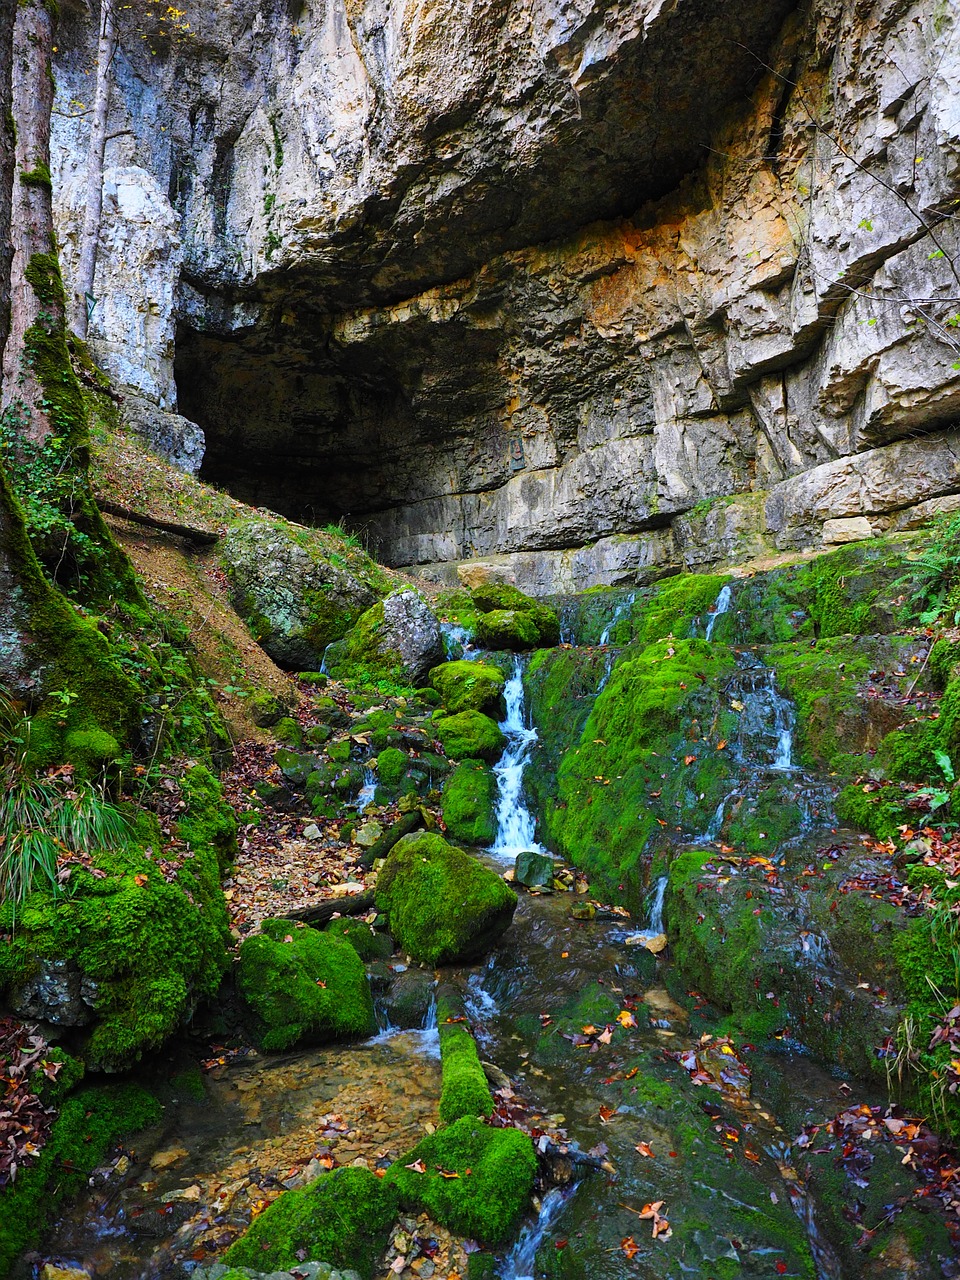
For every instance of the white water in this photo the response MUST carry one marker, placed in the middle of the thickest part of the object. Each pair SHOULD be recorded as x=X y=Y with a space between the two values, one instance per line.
x=520 y=1261
x=367 y=791
x=619 y=612
x=455 y=641
x=655 y=922
x=425 y=1038
x=516 y=828
x=722 y=606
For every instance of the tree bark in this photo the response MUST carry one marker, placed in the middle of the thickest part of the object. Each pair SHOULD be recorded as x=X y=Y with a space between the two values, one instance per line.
x=6 y=163
x=36 y=294
x=87 y=269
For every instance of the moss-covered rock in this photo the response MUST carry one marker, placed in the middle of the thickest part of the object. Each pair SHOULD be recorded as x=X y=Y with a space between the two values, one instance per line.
x=508 y=629
x=369 y=943
x=487 y=1199
x=464 y=1090
x=398 y=640
x=297 y=589
x=470 y=735
x=303 y=986
x=469 y=797
x=132 y=951
x=626 y=780
x=391 y=766
x=468 y=686
x=344 y=1218
x=443 y=905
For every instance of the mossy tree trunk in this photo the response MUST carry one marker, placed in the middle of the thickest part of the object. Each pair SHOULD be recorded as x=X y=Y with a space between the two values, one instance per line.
x=35 y=310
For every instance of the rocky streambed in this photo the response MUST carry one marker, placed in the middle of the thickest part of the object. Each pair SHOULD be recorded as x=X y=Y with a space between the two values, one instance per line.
x=696 y=1017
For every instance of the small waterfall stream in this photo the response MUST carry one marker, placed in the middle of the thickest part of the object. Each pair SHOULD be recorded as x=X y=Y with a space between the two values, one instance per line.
x=521 y=1260
x=516 y=825
x=722 y=606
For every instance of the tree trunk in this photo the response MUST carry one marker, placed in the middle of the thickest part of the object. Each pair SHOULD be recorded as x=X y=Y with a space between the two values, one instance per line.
x=86 y=271
x=6 y=163
x=36 y=293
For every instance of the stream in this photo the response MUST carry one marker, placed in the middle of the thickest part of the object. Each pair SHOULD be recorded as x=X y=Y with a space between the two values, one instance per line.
x=717 y=1159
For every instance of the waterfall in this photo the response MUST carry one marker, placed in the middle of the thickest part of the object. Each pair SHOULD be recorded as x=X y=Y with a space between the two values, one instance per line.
x=655 y=923
x=455 y=641
x=367 y=791
x=520 y=1261
x=516 y=826
x=654 y=927
x=768 y=719
x=722 y=606
x=619 y=612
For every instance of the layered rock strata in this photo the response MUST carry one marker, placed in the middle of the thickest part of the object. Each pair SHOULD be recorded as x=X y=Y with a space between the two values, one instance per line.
x=593 y=292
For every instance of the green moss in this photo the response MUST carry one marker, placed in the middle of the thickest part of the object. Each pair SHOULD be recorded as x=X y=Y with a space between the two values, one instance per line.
x=625 y=782
x=265 y=709
x=88 y=1125
x=508 y=629
x=676 y=607
x=343 y=1218
x=469 y=797
x=468 y=686
x=312 y=987
x=150 y=946
x=470 y=735
x=391 y=766
x=91 y=750
x=464 y=1089
x=288 y=730
x=368 y=943
x=443 y=905
x=486 y=1201
x=38 y=176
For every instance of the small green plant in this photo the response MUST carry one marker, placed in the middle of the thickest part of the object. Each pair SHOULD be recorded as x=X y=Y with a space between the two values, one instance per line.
x=43 y=819
x=934 y=583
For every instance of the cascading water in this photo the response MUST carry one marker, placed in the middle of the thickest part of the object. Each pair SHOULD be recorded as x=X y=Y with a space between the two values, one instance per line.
x=456 y=642
x=516 y=826
x=722 y=606
x=655 y=923
x=619 y=612
x=520 y=1261
x=367 y=792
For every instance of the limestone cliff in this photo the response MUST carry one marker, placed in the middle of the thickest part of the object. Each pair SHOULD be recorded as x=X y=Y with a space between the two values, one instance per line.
x=598 y=288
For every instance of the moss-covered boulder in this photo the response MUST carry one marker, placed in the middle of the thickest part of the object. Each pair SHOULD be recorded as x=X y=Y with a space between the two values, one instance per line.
x=470 y=735
x=464 y=1090
x=511 y=620
x=392 y=764
x=508 y=629
x=468 y=686
x=369 y=943
x=297 y=589
x=127 y=953
x=443 y=905
x=397 y=640
x=469 y=798
x=488 y=1197
x=303 y=985
x=343 y=1218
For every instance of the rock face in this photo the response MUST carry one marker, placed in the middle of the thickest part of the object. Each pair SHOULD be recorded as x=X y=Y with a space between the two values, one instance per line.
x=586 y=293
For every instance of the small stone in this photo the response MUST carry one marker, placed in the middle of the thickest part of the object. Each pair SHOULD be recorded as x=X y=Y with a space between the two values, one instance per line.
x=312 y=832
x=533 y=869
x=164 y=1159
x=50 y=1272
x=368 y=834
